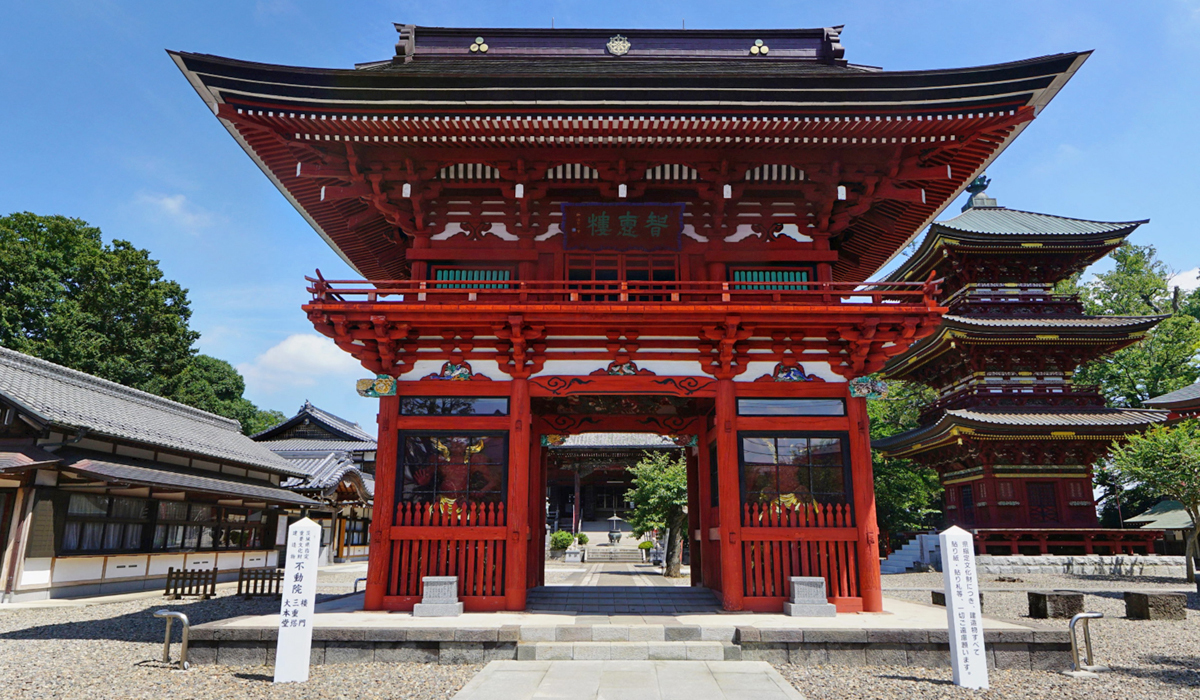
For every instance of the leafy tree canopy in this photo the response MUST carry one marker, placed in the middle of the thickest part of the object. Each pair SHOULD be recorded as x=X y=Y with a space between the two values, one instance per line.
x=68 y=297
x=659 y=497
x=1166 y=461
x=906 y=493
x=1167 y=358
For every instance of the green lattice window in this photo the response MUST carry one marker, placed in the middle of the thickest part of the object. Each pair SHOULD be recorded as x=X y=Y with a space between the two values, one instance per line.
x=766 y=276
x=472 y=278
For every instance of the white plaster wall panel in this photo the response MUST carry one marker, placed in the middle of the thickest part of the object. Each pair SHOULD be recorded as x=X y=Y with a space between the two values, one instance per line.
x=160 y=563
x=135 y=452
x=756 y=369
x=36 y=572
x=272 y=558
x=254 y=560
x=229 y=560
x=744 y=231
x=125 y=567
x=168 y=458
x=498 y=230
x=207 y=466
x=94 y=445
x=200 y=560
x=68 y=569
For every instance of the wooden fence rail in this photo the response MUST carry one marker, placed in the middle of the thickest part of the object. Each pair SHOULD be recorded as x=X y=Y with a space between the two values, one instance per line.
x=200 y=583
x=261 y=582
x=467 y=541
x=779 y=542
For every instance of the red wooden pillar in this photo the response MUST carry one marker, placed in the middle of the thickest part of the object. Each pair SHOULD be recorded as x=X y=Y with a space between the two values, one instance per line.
x=709 y=572
x=862 y=478
x=379 y=555
x=537 y=515
x=729 y=495
x=693 y=517
x=518 y=495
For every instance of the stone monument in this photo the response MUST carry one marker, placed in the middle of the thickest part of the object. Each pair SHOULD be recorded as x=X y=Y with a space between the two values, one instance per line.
x=440 y=598
x=964 y=616
x=808 y=598
x=293 y=646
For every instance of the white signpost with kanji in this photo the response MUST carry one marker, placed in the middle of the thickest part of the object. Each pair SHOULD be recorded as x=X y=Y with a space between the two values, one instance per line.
x=968 y=656
x=299 y=596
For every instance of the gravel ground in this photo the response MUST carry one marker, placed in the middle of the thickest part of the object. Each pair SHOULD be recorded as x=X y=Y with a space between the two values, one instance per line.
x=115 y=651
x=1159 y=659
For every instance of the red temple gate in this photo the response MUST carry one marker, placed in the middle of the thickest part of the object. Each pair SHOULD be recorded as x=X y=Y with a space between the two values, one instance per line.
x=659 y=231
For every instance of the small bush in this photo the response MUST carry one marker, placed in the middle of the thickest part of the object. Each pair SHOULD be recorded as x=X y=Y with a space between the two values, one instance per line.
x=581 y=538
x=561 y=540
x=646 y=545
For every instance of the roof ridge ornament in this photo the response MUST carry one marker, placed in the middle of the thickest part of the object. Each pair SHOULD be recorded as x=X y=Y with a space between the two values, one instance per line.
x=977 y=197
x=618 y=45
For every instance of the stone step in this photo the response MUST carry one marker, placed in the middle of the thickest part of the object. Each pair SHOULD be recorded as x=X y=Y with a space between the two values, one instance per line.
x=627 y=556
x=628 y=651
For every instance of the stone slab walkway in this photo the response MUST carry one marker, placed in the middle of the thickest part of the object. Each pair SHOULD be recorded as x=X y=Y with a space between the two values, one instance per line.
x=628 y=680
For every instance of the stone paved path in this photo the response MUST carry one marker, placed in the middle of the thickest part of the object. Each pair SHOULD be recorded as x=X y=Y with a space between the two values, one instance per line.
x=628 y=680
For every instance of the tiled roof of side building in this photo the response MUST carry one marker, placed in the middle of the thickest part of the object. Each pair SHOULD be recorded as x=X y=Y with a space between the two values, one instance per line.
x=74 y=400
x=1187 y=397
x=335 y=424
x=324 y=472
x=308 y=445
x=1005 y=221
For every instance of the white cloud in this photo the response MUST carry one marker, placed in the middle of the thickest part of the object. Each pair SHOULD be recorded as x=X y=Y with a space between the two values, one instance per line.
x=175 y=210
x=1187 y=280
x=300 y=360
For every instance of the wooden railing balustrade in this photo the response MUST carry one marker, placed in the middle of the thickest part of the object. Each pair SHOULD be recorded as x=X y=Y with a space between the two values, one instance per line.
x=448 y=539
x=781 y=541
x=199 y=583
x=260 y=582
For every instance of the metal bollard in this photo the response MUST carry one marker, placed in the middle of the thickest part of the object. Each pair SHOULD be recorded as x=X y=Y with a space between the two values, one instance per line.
x=360 y=578
x=1089 y=669
x=171 y=616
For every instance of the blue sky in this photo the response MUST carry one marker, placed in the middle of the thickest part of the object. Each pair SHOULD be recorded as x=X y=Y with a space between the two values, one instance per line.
x=99 y=124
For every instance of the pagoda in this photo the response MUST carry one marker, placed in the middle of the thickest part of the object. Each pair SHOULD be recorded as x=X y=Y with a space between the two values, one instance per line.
x=1011 y=435
x=622 y=231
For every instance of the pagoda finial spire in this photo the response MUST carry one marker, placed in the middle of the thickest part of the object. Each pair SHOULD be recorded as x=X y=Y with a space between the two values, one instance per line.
x=976 y=189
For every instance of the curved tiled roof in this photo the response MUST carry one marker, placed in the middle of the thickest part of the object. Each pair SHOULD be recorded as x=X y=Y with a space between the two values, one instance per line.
x=72 y=400
x=318 y=445
x=335 y=424
x=1014 y=222
x=325 y=472
x=1187 y=397
x=1052 y=322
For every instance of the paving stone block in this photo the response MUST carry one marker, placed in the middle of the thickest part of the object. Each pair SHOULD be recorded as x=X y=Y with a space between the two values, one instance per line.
x=846 y=654
x=508 y=633
x=430 y=634
x=202 y=633
x=781 y=635
x=940 y=637
x=339 y=634
x=1054 y=604
x=772 y=653
x=805 y=654
x=666 y=651
x=1052 y=637
x=573 y=633
x=898 y=636
x=499 y=651
x=201 y=652
x=717 y=634
x=475 y=635
x=1050 y=657
x=1156 y=606
x=1006 y=655
x=1008 y=636
x=705 y=651
x=610 y=633
x=316 y=655
x=269 y=634
x=886 y=654
x=647 y=633
x=928 y=655
x=531 y=633
x=592 y=651
x=349 y=652
x=731 y=652
x=237 y=634
x=407 y=652
x=836 y=636
x=748 y=634
x=459 y=653
x=526 y=652
x=232 y=653
x=388 y=634
x=681 y=633
x=629 y=651
x=554 y=651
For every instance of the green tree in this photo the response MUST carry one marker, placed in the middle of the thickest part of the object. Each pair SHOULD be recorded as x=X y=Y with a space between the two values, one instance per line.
x=659 y=498
x=906 y=493
x=67 y=297
x=1166 y=460
x=1163 y=361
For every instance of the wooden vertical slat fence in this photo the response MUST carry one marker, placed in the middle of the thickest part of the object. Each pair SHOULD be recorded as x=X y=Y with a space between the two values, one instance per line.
x=260 y=582
x=201 y=583
x=780 y=541
x=467 y=541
